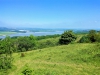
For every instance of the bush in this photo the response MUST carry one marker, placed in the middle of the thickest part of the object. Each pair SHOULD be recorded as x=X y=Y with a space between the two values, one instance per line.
x=22 y=55
x=25 y=43
x=98 y=37
x=5 y=62
x=6 y=54
x=27 y=71
x=92 y=35
x=84 y=39
x=67 y=37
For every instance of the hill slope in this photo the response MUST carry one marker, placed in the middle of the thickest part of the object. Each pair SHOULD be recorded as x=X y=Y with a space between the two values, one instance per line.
x=72 y=59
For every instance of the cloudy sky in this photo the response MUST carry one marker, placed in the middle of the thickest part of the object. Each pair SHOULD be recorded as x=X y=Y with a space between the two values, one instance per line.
x=50 y=13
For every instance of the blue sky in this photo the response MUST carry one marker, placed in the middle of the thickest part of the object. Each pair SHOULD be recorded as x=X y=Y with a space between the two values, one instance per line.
x=50 y=13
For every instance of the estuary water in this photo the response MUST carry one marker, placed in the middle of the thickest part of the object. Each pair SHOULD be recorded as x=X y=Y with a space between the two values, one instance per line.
x=33 y=33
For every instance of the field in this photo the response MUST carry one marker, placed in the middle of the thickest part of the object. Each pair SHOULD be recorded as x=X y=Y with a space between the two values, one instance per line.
x=72 y=59
x=6 y=33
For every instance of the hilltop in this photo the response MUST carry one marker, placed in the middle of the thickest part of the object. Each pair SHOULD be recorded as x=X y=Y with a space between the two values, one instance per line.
x=46 y=55
x=72 y=59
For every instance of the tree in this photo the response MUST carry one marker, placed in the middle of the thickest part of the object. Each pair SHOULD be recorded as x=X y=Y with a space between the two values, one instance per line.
x=25 y=43
x=6 y=58
x=33 y=41
x=67 y=37
x=92 y=35
x=98 y=37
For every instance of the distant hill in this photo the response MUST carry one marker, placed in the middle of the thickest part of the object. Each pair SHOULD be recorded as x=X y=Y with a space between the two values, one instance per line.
x=24 y=30
x=5 y=29
x=11 y=30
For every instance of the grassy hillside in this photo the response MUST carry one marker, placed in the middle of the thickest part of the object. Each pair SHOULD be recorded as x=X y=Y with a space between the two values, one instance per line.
x=72 y=59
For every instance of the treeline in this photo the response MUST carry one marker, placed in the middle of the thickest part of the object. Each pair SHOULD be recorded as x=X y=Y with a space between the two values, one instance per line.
x=26 y=43
x=47 y=36
x=18 y=45
x=92 y=36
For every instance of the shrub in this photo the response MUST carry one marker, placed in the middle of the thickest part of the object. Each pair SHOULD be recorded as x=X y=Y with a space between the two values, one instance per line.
x=67 y=37
x=92 y=35
x=84 y=39
x=6 y=54
x=27 y=71
x=24 y=43
x=98 y=37
x=22 y=55
x=5 y=62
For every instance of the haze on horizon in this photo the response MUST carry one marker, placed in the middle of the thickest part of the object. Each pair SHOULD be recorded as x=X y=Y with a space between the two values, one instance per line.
x=50 y=13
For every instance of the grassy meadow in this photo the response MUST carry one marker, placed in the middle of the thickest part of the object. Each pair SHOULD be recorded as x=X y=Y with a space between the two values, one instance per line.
x=50 y=58
x=72 y=59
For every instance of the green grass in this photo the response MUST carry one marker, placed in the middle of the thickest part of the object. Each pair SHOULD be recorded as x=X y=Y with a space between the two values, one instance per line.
x=72 y=59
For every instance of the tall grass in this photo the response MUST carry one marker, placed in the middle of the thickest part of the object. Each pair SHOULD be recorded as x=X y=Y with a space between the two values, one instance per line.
x=72 y=59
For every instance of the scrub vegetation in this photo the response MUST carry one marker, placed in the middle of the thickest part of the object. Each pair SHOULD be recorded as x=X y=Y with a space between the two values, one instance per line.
x=66 y=54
